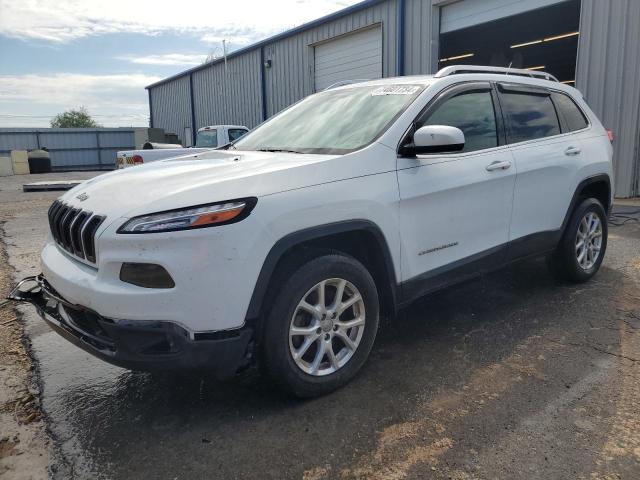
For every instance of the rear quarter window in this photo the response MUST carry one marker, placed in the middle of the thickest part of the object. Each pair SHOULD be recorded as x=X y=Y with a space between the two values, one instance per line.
x=571 y=113
x=529 y=116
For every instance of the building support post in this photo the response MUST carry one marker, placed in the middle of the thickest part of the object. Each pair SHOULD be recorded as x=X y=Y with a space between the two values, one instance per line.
x=99 y=148
x=150 y=109
x=193 y=112
x=263 y=86
x=400 y=14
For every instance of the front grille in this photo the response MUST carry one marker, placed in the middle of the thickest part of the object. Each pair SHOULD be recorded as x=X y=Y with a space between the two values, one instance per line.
x=74 y=229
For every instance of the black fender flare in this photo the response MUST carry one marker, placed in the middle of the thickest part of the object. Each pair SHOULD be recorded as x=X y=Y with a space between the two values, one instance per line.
x=601 y=177
x=302 y=236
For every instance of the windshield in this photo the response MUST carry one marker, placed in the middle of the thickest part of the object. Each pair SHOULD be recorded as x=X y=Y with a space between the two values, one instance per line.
x=333 y=122
x=207 y=138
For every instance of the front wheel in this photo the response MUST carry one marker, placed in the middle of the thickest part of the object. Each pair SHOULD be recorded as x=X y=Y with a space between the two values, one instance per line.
x=584 y=242
x=322 y=325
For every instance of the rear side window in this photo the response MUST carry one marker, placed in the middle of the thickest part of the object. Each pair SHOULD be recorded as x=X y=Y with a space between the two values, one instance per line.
x=529 y=116
x=236 y=133
x=573 y=116
x=473 y=114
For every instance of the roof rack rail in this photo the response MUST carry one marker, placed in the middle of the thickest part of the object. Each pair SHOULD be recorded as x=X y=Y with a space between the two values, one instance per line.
x=459 y=69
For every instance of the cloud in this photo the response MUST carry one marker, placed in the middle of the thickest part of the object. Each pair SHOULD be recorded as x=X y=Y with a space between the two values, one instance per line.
x=118 y=99
x=73 y=88
x=61 y=21
x=165 y=59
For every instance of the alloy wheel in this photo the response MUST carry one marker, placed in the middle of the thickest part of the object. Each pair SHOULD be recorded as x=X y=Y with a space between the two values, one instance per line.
x=327 y=327
x=588 y=241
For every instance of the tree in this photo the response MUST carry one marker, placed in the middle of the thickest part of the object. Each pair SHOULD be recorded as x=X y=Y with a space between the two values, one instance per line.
x=74 y=118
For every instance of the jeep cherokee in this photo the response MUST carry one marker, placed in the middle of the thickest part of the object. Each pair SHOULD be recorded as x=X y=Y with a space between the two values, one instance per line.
x=285 y=247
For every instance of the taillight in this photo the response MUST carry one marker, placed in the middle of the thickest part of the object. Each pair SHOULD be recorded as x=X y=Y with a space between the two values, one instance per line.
x=611 y=135
x=138 y=160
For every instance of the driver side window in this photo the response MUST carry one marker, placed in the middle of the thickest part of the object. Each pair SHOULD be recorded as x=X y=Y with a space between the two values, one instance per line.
x=472 y=113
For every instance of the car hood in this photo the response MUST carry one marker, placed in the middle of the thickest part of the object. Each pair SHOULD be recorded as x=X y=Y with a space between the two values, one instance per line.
x=202 y=178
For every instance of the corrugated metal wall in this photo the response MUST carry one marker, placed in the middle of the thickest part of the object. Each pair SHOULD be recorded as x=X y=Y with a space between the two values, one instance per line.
x=171 y=104
x=290 y=77
x=231 y=95
x=71 y=148
x=235 y=96
x=608 y=74
x=421 y=34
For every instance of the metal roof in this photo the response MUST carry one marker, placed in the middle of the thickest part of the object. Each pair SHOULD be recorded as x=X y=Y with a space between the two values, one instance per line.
x=306 y=26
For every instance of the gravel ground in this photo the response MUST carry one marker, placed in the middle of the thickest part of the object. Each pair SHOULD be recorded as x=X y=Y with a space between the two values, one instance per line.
x=25 y=448
x=513 y=375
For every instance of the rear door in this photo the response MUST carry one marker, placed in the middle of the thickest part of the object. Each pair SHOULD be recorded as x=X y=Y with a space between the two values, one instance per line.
x=455 y=208
x=546 y=160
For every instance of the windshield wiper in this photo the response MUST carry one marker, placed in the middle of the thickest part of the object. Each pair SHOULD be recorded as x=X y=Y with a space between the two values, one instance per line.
x=277 y=150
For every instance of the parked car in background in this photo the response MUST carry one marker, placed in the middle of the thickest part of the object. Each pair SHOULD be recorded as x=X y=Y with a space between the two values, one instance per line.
x=285 y=248
x=209 y=137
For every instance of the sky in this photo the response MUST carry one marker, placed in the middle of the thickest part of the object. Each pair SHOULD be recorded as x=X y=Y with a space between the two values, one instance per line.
x=62 y=54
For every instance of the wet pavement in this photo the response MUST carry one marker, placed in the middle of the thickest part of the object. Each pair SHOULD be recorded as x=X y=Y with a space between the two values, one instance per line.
x=513 y=375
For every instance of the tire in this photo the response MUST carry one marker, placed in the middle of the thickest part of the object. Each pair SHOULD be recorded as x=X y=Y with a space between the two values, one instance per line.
x=306 y=376
x=567 y=262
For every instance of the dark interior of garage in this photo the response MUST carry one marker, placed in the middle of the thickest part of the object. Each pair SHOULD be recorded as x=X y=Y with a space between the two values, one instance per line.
x=544 y=39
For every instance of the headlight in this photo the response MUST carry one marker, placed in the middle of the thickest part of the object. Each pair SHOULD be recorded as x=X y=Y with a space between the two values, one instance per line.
x=200 y=216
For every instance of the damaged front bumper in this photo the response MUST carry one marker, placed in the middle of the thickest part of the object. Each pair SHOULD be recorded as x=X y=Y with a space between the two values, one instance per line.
x=136 y=345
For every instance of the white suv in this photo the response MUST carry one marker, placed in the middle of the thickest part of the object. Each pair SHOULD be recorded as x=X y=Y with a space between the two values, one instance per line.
x=285 y=248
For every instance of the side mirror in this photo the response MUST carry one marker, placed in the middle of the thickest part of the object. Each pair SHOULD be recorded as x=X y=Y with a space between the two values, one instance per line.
x=435 y=139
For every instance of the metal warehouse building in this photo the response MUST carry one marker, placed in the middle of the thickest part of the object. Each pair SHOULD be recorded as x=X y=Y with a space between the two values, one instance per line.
x=594 y=44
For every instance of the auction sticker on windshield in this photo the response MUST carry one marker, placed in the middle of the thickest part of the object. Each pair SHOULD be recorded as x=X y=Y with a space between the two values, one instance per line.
x=395 y=90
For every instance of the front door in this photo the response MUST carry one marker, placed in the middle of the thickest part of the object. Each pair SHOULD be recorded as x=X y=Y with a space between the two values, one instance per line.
x=455 y=208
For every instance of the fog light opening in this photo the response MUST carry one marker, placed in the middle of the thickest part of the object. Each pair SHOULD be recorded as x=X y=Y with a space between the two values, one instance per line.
x=146 y=275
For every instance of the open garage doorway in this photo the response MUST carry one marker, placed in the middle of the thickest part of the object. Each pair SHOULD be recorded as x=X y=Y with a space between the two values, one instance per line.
x=542 y=39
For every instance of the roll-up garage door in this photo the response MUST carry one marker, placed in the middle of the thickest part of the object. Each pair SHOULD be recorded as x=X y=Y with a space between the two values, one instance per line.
x=468 y=13
x=354 y=56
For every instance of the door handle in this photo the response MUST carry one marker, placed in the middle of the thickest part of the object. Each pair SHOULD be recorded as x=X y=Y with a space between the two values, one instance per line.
x=498 y=165
x=572 y=151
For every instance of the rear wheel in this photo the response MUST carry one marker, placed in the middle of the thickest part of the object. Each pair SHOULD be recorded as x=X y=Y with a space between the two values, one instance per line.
x=322 y=325
x=583 y=243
